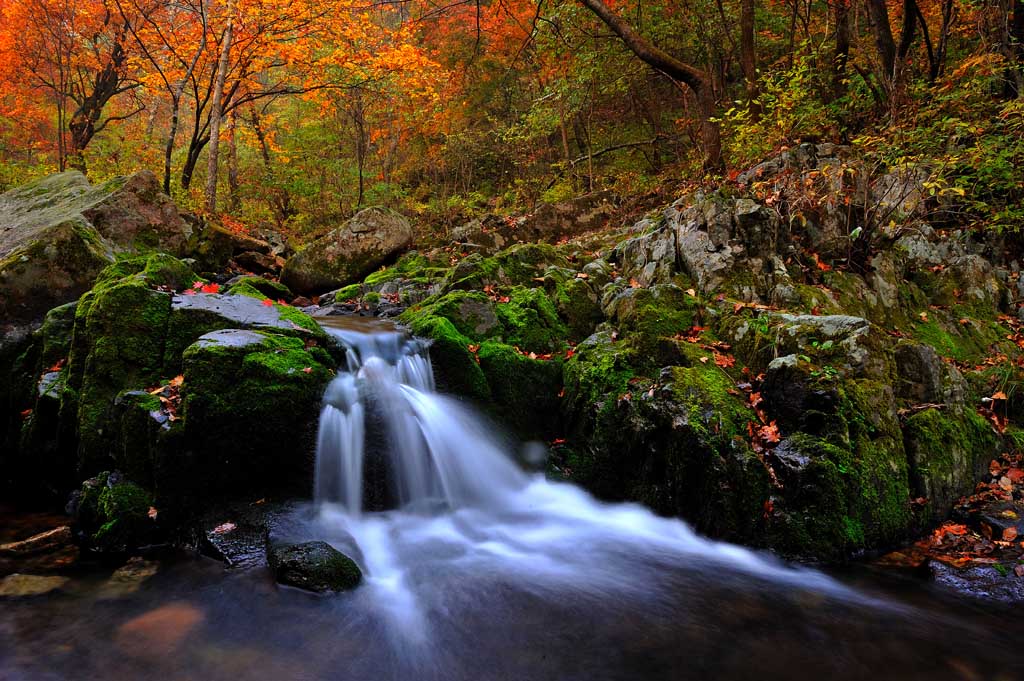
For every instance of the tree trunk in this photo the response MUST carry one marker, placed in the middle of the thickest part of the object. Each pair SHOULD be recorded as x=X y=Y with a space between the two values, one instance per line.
x=878 y=13
x=216 y=114
x=842 y=54
x=748 y=57
x=695 y=79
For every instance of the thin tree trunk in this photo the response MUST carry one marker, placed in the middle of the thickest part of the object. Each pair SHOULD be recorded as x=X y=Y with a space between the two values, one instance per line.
x=697 y=80
x=216 y=114
x=842 y=54
x=234 y=196
x=748 y=57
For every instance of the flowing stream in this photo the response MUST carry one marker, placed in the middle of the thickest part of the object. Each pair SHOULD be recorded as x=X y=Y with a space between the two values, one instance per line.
x=476 y=570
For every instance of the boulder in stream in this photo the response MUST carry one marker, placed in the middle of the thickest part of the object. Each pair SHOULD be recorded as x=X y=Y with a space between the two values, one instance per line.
x=313 y=566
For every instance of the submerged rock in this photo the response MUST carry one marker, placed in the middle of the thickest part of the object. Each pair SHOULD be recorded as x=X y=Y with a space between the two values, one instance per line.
x=371 y=238
x=17 y=585
x=313 y=566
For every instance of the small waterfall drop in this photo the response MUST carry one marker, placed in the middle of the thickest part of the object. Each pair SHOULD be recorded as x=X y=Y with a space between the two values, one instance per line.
x=463 y=510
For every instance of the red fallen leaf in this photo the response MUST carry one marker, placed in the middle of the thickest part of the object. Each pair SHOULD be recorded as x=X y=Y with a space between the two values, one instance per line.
x=176 y=381
x=281 y=302
x=965 y=321
x=558 y=441
x=737 y=307
x=1015 y=475
x=189 y=292
x=25 y=414
x=724 y=361
x=755 y=399
x=999 y=396
x=473 y=348
x=213 y=287
x=816 y=311
x=1019 y=570
x=224 y=528
x=197 y=285
x=267 y=302
x=152 y=513
x=769 y=433
x=307 y=370
x=625 y=397
x=561 y=393
x=769 y=508
x=504 y=299
x=58 y=366
x=569 y=353
x=1009 y=534
x=633 y=283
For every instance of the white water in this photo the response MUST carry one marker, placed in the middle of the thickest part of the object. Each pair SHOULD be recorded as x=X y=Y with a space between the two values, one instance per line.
x=467 y=514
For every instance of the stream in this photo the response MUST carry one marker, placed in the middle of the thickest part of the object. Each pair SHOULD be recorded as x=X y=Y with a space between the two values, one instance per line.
x=474 y=569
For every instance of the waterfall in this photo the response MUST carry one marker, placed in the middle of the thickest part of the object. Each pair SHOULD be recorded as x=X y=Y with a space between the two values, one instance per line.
x=435 y=452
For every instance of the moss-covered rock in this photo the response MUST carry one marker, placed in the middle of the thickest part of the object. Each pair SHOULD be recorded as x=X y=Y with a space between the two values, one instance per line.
x=258 y=287
x=456 y=368
x=313 y=566
x=471 y=313
x=530 y=321
x=525 y=391
x=947 y=452
x=113 y=515
x=250 y=406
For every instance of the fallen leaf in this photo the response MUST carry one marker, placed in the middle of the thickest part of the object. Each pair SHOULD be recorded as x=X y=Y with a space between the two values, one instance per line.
x=704 y=360
x=307 y=370
x=152 y=513
x=923 y=316
x=267 y=302
x=224 y=528
x=1009 y=534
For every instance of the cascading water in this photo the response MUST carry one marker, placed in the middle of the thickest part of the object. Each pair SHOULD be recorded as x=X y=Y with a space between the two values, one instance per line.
x=462 y=506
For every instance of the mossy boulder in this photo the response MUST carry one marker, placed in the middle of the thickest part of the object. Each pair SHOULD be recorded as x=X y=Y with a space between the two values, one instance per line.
x=313 y=566
x=525 y=391
x=456 y=368
x=471 y=313
x=520 y=265
x=112 y=515
x=370 y=239
x=676 y=443
x=530 y=321
x=250 y=406
x=948 y=452
x=258 y=287
x=61 y=231
x=847 y=490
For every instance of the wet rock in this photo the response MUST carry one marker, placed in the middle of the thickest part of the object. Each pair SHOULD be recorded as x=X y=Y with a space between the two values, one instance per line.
x=112 y=515
x=129 y=578
x=794 y=399
x=979 y=581
x=372 y=237
x=313 y=566
x=650 y=258
x=19 y=586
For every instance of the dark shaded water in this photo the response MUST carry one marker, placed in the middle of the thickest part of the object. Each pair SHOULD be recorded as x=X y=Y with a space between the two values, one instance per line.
x=194 y=619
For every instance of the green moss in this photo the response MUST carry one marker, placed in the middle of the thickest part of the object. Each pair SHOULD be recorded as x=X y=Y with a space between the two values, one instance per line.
x=525 y=391
x=648 y=316
x=123 y=510
x=531 y=322
x=299 y=318
x=456 y=368
x=372 y=298
x=350 y=292
x=262 y=288
x=250 y=413
x=707 y=394
x=471 y=313
x=576 y=303
x=246 y=290
x=948 y=452
x=382 y=276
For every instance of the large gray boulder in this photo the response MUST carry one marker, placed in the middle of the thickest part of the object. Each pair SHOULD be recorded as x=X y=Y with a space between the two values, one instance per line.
x=370 y=239
x=58 y=233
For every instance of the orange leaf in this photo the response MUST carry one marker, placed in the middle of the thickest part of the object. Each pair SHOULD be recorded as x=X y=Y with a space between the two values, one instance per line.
x=211 y=288
x=267 y=302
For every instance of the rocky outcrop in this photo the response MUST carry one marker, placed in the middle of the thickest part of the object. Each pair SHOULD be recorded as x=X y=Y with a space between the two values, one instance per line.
x=58 y=233
x=371 y=238
x=189 y=393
